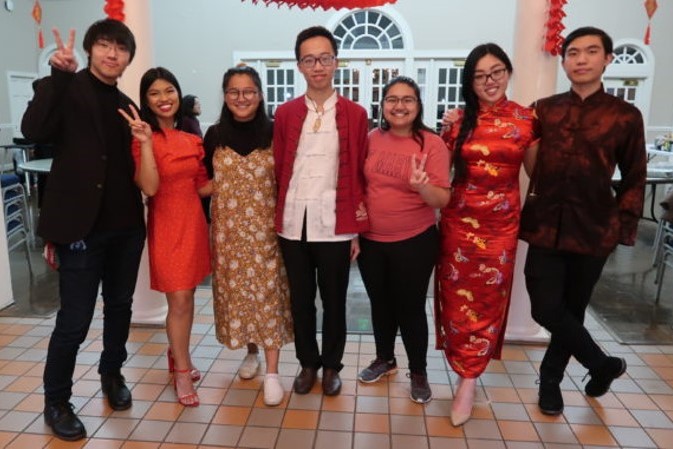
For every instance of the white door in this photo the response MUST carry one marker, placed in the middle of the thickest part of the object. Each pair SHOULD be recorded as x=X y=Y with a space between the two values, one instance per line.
x=20 y=86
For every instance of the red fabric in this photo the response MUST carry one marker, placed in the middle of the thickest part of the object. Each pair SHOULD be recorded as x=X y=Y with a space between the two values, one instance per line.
x=326 y=4
x=351 y=119
x=177 y=232
x=479 y=229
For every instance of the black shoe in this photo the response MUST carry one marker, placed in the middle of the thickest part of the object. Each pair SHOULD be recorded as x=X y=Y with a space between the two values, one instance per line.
x=612 y=368
x=377 y=369
x=63 y=421
x=118 y=394
x=305 y=380
x=420 y=388
x=550 y=398
x=331 y=382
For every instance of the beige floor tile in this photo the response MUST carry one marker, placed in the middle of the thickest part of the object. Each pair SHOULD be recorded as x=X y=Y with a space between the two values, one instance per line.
x=339 y=421
x=372 y=422
x=370 y=441
x=636 y=401
x=232 y=415
x=408 y=441
x=441 y=427
x=259 y=437
x=616 y=417
x=295 y=439
x=517 y=431
x=164 y=411
x=404 y=406
x=16 y=368
x=662 y=437
x=140 y=445
x=592 y=435
x=103 y=443
x=300 y=419
x=339 y=403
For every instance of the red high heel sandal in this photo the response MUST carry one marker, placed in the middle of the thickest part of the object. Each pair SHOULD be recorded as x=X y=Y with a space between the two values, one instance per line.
x=193 y=397
x=194 y=373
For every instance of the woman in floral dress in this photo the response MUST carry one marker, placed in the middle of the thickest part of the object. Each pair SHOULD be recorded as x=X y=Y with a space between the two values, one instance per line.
x=250 y=292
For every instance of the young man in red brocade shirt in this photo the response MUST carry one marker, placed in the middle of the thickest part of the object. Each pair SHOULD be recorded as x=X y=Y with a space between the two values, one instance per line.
x=571 y=219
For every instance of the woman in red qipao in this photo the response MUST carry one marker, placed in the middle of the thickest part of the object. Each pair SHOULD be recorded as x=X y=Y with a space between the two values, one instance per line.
x=489 y=140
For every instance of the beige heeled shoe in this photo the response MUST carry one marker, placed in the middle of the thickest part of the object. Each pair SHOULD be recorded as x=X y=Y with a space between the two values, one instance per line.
x=463 y=402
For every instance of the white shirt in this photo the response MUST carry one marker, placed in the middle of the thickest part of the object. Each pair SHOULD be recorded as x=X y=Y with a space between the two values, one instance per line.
x=313 y=183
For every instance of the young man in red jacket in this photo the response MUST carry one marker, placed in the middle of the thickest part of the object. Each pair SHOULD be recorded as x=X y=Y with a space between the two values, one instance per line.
x=319 y=146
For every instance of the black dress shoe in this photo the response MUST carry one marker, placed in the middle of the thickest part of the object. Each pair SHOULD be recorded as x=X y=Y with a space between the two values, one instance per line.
x=550 y=399
x=612 y=368
x=118 y=394
x=63 y=421
x=305 y=380
x=331 y=382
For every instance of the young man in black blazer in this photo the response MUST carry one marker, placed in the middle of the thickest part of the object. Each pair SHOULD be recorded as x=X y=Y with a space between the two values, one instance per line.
x=92 y=211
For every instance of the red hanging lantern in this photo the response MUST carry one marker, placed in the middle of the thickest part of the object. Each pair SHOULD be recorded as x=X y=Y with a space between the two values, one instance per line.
x=650 y=9
x=114 y=9
x=37 y=17
x=326 y=4
x=553 y=39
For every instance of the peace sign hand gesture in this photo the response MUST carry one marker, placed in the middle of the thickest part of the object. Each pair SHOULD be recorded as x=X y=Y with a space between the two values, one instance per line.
x=64 y=57
x=419 y=177
x=141 y=130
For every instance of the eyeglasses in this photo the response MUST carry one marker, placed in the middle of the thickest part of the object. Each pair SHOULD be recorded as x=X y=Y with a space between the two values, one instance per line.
x=406 y=101
x=325 y=60
x=234 y=94
x=106 y=46
x=495 y=75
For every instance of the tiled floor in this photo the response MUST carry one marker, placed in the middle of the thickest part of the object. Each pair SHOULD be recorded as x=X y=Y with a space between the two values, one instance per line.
x=638 y=412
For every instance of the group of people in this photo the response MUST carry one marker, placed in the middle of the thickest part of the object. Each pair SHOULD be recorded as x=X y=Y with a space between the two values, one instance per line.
x=296 y=200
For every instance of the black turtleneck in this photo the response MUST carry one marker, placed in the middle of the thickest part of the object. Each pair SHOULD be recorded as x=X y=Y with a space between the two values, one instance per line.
x=242 y=137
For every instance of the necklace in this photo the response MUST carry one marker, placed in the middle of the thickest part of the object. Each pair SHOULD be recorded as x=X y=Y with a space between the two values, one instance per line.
x=318 y=121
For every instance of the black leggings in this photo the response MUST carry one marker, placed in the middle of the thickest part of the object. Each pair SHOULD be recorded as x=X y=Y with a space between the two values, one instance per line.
x=396 y=276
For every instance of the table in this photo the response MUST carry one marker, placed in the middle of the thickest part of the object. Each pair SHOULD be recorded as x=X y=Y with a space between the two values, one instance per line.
x=37 y=166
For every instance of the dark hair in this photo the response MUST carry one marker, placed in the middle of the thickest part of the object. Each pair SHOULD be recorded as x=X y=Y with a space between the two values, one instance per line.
x=587 y=31
x=417 y=125
x=149 y=77
x=471 y=100
x=260 y=121
x=187 y=105
x=316 y=31
x=112 y=30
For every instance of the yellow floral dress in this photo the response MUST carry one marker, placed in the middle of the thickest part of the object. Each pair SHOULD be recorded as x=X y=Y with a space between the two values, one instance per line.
x=250 y=290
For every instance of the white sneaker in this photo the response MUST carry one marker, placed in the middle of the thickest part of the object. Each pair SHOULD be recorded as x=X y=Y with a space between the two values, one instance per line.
x=249 y=367
x=273 y=390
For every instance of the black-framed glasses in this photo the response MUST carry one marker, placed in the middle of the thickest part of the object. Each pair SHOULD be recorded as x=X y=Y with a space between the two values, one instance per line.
x=326 y=60
x=234 y=94
x=406 y=101
x=496 y=75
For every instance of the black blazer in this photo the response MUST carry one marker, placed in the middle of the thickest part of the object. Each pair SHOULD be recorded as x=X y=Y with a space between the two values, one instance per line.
x=65 y=113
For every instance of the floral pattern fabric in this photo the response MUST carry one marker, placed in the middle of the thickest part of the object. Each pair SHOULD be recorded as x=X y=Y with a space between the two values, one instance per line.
x=250 y=290
x=479 y=230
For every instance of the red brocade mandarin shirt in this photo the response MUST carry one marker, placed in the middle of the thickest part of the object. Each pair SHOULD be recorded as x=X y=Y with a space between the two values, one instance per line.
x=571 y=205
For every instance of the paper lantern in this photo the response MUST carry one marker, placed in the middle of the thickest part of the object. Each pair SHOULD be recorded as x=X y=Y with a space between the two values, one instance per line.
x=326 y=4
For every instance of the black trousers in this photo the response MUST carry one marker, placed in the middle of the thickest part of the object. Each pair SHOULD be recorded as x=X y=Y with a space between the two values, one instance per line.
x=113 y=259
x=396 y=276
x=560 y=285
x=325 y=265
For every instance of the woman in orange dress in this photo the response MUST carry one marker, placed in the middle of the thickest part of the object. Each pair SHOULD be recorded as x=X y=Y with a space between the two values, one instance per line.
x=170 y=171
x=479 y=226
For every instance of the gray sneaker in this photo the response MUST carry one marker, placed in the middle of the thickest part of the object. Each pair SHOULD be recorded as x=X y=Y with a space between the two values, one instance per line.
x=377 y=369
x=420 y=388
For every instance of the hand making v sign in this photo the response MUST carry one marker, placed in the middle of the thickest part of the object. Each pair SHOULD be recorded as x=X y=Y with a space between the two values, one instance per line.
x=64 y=57
x=419 y=177
x=141 y=130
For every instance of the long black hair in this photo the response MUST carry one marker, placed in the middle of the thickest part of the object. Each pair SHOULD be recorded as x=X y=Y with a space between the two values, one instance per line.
x=188 y=102
x=149 y=77
x=260 y=121
x=471 y=100
x=417 y=125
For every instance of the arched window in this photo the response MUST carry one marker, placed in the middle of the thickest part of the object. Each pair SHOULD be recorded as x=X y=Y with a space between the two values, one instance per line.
x=368 y=30
x=629 y=77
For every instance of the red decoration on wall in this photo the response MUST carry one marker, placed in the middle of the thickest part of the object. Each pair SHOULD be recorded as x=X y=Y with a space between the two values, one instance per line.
x=114 y=9
x=37 y=17
x=650 y=8
x=553 y=39
x=326 y=4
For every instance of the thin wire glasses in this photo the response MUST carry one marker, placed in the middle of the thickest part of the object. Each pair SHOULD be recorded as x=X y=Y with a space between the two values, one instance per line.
x=234 y=94
x=496 y=75
x=406 y=101
x=326 y=60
